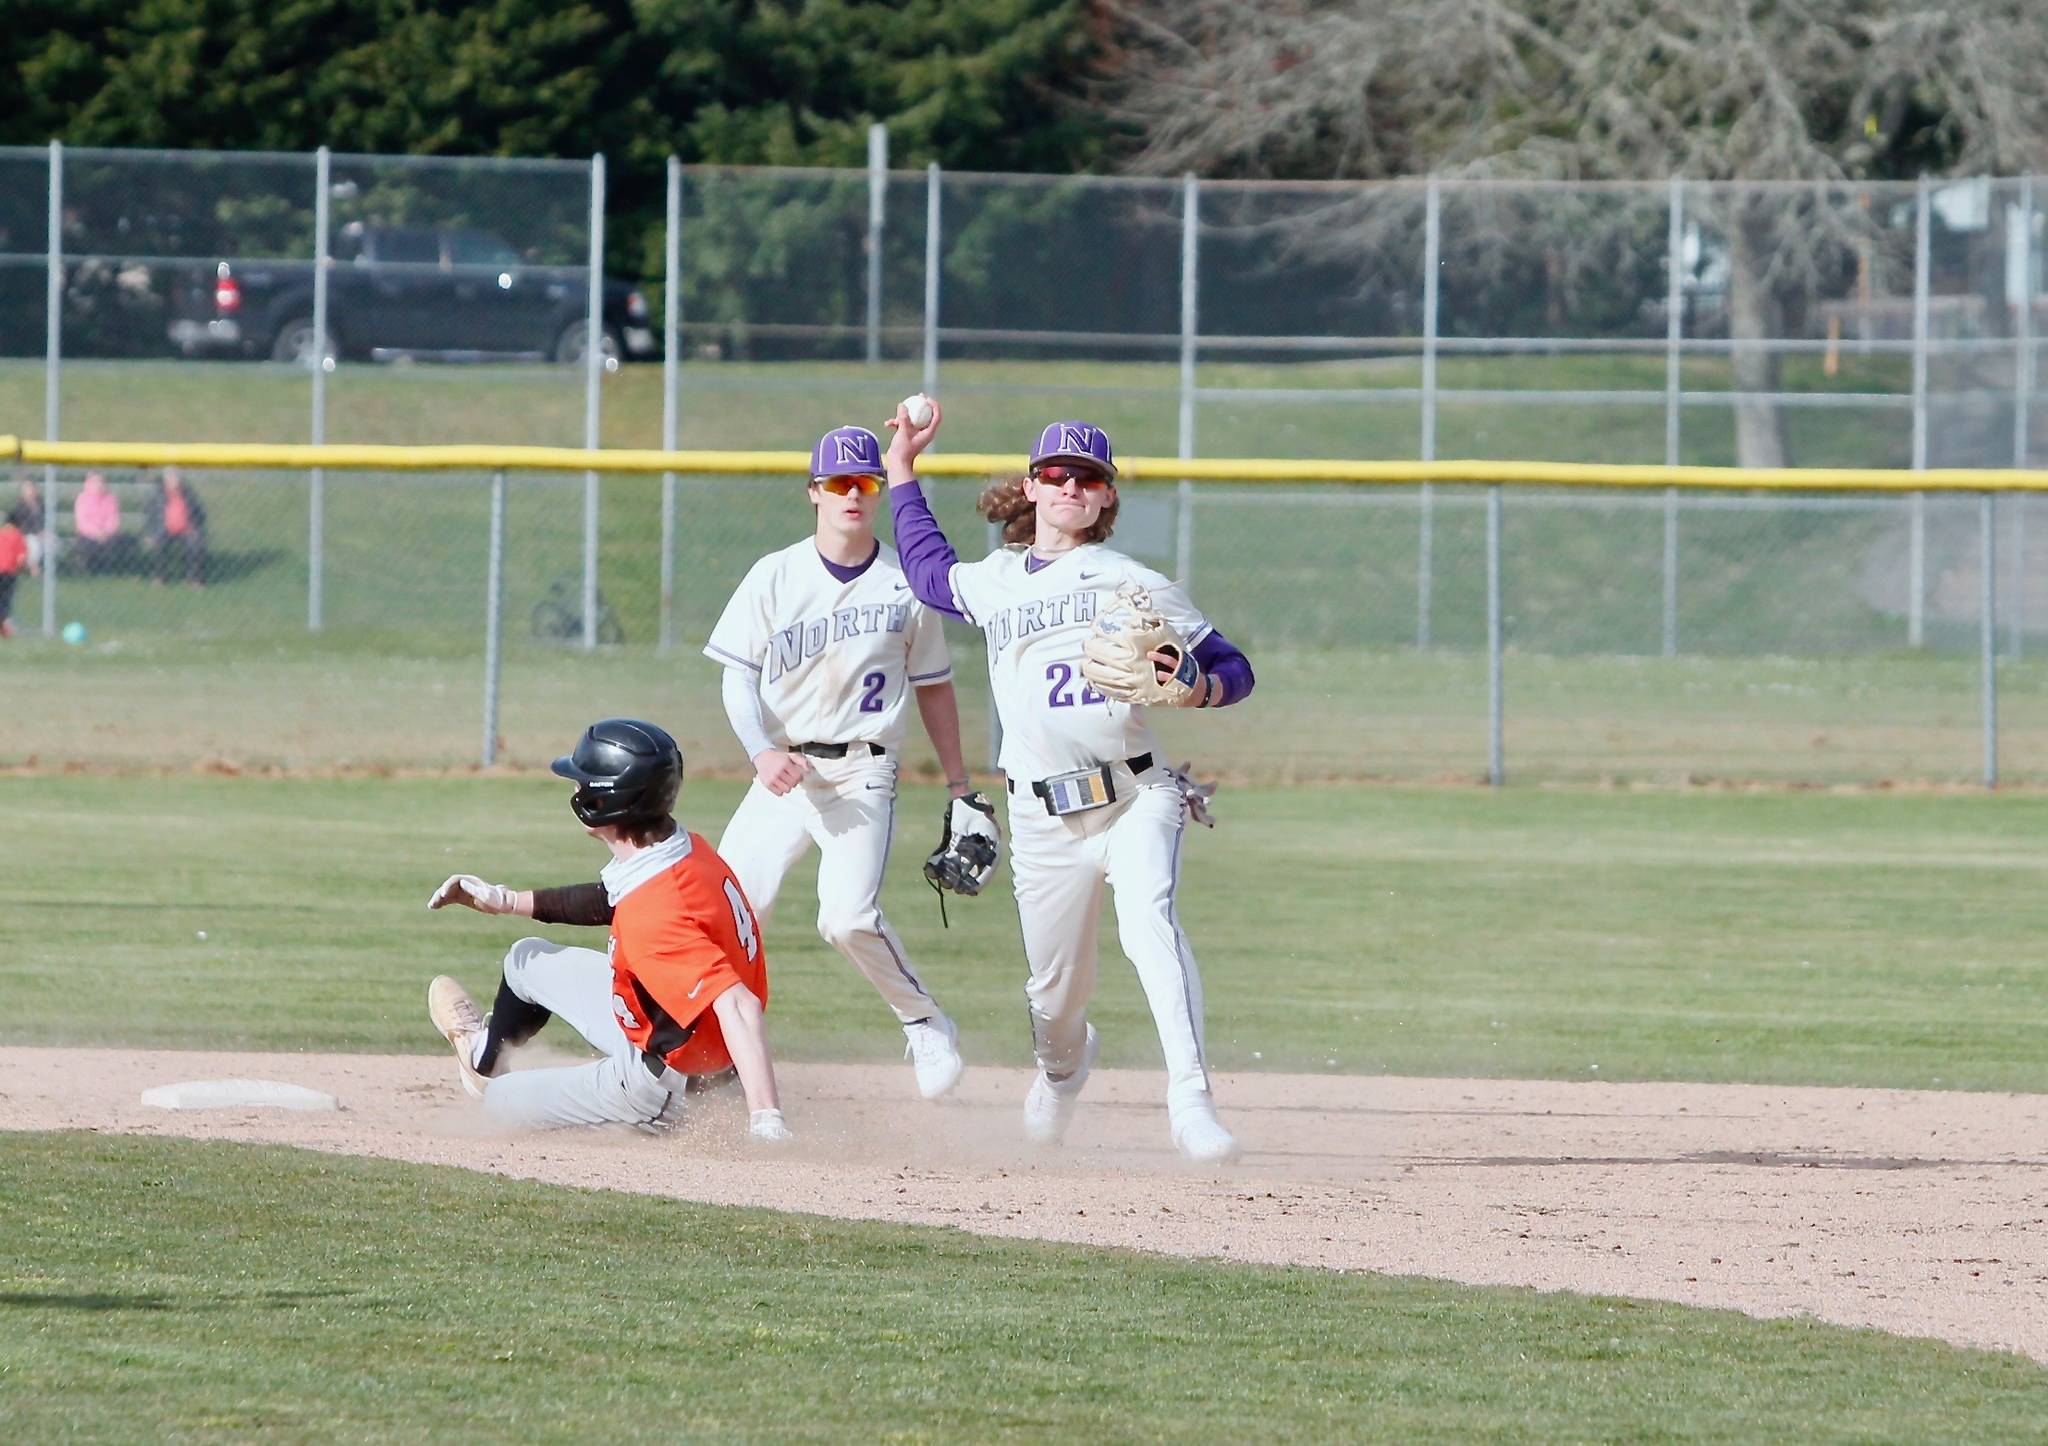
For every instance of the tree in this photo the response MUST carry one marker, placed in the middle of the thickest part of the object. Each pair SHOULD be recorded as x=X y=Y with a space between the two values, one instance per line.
x=1821 y=91
x=973 y=83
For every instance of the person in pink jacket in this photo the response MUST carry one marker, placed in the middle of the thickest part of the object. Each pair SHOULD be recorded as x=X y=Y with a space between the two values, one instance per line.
x=96 y=519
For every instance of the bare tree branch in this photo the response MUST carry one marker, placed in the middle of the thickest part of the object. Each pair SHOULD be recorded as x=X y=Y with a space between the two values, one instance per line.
x=1747 y=93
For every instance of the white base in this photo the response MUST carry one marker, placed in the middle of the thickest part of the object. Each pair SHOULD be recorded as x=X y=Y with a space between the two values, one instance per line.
x=230 y=1094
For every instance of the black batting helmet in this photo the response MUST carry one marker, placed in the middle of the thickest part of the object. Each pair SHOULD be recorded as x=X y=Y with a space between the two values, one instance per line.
x=626 y=771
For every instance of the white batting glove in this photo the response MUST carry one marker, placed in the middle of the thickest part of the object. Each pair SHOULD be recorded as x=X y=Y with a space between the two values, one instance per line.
x=766 y=1127
x=469 y=890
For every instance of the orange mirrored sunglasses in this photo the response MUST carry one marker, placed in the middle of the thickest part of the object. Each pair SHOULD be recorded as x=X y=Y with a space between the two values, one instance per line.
x=1059 y=474
x=865 y=484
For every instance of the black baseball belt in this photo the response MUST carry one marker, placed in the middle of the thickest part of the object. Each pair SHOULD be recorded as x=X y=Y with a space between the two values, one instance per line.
x=1082 y=789
x=834 y=750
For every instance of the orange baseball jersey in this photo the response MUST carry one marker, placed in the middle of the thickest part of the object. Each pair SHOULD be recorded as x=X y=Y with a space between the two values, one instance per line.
x=678 y=942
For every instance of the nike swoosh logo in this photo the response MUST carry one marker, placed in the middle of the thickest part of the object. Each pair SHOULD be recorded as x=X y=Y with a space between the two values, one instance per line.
x=1087 y=575
x=693 y=993
x=903 y=587
x=876 y=787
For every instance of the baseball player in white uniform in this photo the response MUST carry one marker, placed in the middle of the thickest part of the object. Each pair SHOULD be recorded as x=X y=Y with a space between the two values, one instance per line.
x=823 y=646
x=1091 y=800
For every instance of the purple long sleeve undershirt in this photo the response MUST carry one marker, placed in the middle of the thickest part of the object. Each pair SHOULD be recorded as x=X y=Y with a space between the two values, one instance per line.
x=928 y=561
x=926 y=556
x=1222 y=660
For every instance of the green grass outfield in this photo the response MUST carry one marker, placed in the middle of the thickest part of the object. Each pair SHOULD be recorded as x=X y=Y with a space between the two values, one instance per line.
x=185 y=1291
x=1866 y=939
x=213 y=1291
x=382 y=702
x=998 y=405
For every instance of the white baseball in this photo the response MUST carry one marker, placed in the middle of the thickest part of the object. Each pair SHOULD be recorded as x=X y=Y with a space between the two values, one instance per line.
x=918 y=409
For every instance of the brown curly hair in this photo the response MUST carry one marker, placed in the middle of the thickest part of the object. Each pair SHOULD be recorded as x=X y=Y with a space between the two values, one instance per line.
x=1003 y=502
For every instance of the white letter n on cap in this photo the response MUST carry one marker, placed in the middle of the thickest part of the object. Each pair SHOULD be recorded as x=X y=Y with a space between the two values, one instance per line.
x=1078 y=439
x=850 y=450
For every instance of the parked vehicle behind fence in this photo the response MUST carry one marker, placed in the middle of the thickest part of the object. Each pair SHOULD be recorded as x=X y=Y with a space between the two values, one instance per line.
x=406 y=291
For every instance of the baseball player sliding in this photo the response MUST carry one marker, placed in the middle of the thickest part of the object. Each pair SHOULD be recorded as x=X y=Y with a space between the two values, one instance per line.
x=679 y=994
x=1081 y=639
x=823 y=644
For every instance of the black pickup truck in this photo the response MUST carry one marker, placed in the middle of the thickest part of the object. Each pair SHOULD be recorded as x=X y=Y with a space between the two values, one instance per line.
x=406 y=291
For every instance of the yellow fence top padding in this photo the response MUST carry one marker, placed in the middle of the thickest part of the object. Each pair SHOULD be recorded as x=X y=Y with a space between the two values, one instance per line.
x=983 y=464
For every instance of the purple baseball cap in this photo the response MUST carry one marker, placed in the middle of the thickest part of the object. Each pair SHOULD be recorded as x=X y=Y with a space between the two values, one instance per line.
x=847 y=452
x=1074 y=442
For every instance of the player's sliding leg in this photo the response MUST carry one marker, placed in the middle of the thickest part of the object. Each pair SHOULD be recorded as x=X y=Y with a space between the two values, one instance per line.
x=764 y=837
x=745 y=1028
x=853 y=826
x=1144 y=872
x=1059 y=903
x=577 y=985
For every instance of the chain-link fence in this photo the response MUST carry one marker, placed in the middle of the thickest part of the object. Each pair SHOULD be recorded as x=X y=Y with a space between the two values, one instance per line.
x=196 y=296
x=1551 y=613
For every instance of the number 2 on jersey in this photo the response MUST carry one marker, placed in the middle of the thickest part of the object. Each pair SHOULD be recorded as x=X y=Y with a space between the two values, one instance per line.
x=742 y=920
x=1060 y=695
x=871 y=699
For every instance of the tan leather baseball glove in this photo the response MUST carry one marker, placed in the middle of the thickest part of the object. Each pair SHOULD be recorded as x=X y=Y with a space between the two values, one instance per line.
x=1116 y=658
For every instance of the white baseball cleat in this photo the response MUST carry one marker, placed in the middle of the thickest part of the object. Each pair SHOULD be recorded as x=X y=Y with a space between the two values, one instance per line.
x=1049 y=1106
x=455 y=1014
x=934 y=1052
x=1201 y=1138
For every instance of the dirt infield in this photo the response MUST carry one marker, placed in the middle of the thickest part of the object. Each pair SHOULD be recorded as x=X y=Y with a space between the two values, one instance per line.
x=1919 y=1213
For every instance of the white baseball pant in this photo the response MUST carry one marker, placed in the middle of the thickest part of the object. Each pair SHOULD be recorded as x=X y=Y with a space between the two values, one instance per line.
x=847 y=806
x=1060 y=866
x=575 y=985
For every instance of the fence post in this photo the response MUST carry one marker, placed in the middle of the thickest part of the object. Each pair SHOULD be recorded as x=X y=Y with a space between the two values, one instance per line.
x=2022 y=412
x=2023 y=327
x=671 y=342
x=1425 y=562
x=1674 y=329
x=316 y=503
x=1916 y=572
x=878 y=193
x=593 y=368
x=931 y=279
x=1184 y=513
x=1987 y=633
x=1496 y=771
x=494 y=617
x=53 y=353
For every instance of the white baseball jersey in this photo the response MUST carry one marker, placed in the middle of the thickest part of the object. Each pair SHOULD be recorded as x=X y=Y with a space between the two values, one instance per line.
x=836 y=660
x=1035 y=622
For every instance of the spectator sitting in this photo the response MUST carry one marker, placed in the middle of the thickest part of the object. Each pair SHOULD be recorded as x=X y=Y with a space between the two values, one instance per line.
x=176 y=525
x=13 y=557
x=96 y=518
x=28 y=516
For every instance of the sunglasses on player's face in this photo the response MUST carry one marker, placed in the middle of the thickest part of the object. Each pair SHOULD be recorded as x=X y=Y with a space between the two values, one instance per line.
x=1058 y=474
x=867 y=486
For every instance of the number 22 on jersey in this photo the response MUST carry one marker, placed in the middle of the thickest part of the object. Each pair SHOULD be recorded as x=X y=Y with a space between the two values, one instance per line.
x=1061 y=694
